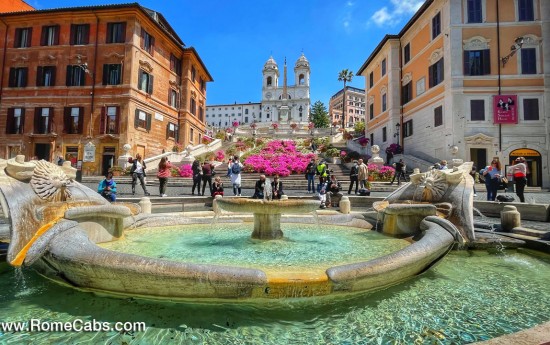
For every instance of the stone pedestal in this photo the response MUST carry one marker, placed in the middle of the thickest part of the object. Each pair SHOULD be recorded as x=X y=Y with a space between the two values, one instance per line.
x=145 y=204
x=376 y=159
x=267 y=226
x=123 y=160
x=509 y=218
x=345 y=205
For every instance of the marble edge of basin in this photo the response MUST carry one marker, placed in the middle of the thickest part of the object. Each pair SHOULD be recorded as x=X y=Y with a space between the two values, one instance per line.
x=268 y=207
x=74 y=259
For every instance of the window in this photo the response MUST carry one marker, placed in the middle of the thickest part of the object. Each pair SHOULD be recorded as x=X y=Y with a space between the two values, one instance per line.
x=384 y=105
x=171 y=131
x=112 y=74
x=43 y=120
x=246 y=111
x=15 y=121
x=18 y=77
x=371 y=79
x=526 y=10
x=477 y=62
x=193 y=73
x=75 y=75
x=438 y=116
x=116 y=32
x=529 y=61
x=201 y=114
x=192 y=133
x=531 y=109
x=80 y=34
x=142 y=120
x=477 y=110
x=22 y=38
x=202 y=83
x=406 y=93
x=436 y=25
x=175 y=65
x=371 y=111
x=384 y=67
x=72 y=120
x=372 y=139
x=301 y=79
x=384 y=135
x=173 y=98
x=109 y=120
x=45 y=76
x=147 y=42
x=436 y=73
x=145 y=82
x=50 y=35
x=474 y=11
x=407 y=129
x=269 y=81
x=193 y=107
x=407 y=53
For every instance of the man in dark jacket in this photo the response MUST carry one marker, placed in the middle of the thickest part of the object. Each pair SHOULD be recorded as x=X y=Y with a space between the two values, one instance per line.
x=276 y=188
x=399 y=172
x=310 y=175
x=353 y=177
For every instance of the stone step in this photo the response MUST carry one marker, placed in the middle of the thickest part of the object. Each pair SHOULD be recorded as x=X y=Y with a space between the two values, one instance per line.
x=532 y=233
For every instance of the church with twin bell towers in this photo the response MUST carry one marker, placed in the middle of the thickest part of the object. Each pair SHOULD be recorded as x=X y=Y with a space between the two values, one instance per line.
x=286 y=103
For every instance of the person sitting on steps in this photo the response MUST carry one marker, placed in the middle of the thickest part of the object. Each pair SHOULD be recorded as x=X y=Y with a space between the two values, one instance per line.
x=259 y=188
x=276 y=188
x=107 y=187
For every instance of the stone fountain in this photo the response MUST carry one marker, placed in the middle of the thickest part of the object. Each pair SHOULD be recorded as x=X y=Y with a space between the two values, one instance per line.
x=56 y=224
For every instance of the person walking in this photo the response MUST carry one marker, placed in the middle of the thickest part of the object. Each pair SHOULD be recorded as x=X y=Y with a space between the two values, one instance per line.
x=163 y=174
x=363 y=174
x=207 y=171
x=197 y=176
x=276 y=188
x=235 y=169
x=138 y=172
x=310 y=176
x=519 y=174
x=492 y=175
x=107 y=187
x=217 y=187
x=399 y=172
x=353 y=177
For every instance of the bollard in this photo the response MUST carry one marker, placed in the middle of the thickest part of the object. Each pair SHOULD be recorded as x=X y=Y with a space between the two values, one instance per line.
x=345 y=205
x=215 y=207
x=145 y=204
x=509 y=218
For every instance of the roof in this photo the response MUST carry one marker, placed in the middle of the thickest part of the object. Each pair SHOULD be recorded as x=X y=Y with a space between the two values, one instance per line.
x=348 y=88
x=156 y=17
x=234 y=104
x=194 y=51
x=386 y=38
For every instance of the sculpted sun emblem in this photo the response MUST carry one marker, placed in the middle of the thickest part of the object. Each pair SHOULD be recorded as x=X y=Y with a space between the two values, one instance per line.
x=49 y=182
x=434 y=185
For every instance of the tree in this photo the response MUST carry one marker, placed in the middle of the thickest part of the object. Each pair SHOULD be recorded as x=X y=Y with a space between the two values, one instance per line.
x=319 y=115
x=345 y=75
x=359 y=127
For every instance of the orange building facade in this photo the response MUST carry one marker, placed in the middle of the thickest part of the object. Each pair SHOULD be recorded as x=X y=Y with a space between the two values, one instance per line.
x=97 y=78
x=14 y=6
x=436 y=87
x=355 y=106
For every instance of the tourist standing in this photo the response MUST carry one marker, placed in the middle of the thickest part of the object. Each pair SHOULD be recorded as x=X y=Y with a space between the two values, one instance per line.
x=310 y=176
x=235 y=169
x=163 y=174
x=323 y=187
x=399 y=172
x=363 y=174
x=492 y=176
x=138 y=172
x=207 y=171
x=107 y=187
x=519 y=174
x=197 y=176
x=353 y=177
x=217 y=187
x=321 y=171
x=276 y=188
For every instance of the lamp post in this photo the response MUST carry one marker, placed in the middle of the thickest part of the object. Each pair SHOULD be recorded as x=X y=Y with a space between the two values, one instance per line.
x=518 y=43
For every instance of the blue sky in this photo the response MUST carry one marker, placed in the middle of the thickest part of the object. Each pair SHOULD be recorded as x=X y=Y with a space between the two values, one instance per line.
x=235 y=38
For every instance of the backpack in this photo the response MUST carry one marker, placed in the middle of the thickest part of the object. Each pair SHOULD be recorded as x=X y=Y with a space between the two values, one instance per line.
x=236 y=168
x=505 y=198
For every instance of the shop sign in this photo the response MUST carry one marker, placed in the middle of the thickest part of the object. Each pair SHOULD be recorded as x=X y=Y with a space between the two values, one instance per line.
x=89 y=152
x=524 y=153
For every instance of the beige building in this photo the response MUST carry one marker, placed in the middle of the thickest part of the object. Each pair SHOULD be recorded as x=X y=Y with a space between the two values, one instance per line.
x=466 y=79
x=355 y=106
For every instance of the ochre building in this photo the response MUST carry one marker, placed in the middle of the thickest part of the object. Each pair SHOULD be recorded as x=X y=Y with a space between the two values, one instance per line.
x=97 y=77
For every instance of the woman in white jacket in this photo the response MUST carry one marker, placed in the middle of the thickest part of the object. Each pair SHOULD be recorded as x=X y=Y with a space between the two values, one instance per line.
x=235 y=172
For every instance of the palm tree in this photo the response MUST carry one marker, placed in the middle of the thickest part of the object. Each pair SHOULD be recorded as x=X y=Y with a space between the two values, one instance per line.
x=344 y=75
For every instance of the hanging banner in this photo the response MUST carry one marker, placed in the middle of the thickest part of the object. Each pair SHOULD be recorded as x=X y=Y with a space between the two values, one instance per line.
x=505 y=109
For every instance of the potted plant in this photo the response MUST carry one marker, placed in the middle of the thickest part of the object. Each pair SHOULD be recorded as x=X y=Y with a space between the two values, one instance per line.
x=333 y=155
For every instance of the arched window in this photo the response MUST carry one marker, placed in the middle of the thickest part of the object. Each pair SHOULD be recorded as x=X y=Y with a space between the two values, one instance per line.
x=269 y=81
x=301 y=79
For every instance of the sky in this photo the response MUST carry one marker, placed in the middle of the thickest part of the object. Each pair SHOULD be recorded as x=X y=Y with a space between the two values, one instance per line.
x=235 y=38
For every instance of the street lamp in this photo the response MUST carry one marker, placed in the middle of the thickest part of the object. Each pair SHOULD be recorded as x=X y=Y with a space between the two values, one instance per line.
x=518 y=43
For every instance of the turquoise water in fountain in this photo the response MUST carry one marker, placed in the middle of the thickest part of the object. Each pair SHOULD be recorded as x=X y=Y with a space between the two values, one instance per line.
x=304 y=246
x=470 y=296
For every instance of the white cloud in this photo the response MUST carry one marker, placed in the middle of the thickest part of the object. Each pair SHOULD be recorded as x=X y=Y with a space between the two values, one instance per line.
x=401 y=8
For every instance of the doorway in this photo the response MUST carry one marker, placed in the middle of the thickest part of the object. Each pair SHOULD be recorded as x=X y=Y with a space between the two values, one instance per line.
x=42 y=151
x=479 y=157
x=533 y=160
x=108 y=159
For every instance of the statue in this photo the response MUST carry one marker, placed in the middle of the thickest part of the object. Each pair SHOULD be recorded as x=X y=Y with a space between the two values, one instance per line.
x=376 y=159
